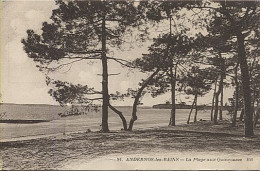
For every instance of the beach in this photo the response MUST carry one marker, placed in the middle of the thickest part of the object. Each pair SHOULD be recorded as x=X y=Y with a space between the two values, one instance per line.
x=85 y=150
x=148 y=117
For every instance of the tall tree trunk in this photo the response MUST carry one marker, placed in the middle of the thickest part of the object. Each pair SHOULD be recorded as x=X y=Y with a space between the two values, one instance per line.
x=213 y=100
x=196 y=109
x=173 y=84
x=242 y=114
x=120 y=115
x=105 y=95
x=222 y=75
x=248 y=118
x=221 y=105
x=234 y=118
x=257 y=114
x=137 y=97
x=255 y=109
x=215 y=119
x=215 y=116
x=188 y=121
x=253 y=97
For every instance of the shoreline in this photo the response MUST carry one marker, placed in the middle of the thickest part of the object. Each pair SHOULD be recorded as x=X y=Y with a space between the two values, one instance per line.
x=181 y=126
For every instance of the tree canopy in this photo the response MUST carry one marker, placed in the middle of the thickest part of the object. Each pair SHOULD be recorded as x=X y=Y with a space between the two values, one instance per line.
x=88 y=30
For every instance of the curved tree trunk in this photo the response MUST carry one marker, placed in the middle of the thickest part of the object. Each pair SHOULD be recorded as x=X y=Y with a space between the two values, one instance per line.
x=188 y=121
x=137 y=97
x=120 y=115
x=248 y=116
x=105 y=95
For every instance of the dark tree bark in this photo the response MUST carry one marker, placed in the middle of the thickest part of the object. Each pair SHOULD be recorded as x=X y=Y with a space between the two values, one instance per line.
x=188 y=121
x=234 y=118
x=222 y=75
x=213 y=100
x=242 y=114
x=137 y=97
x=215 y=119
x=253 y=97
x=173 y=84
x=196 y=108
x=120 y=115
x=257 y=115
x=248 y=116
x=221 y=105
x=105 y=95
x=256 y=109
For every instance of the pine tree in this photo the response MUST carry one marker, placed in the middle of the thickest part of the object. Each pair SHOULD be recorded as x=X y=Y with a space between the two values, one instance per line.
x=82 y=30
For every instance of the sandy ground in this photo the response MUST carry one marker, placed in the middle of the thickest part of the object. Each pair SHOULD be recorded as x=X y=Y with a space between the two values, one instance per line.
x=192 y=144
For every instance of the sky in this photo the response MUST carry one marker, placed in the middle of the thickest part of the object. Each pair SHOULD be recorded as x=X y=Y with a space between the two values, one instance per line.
x=23 y=83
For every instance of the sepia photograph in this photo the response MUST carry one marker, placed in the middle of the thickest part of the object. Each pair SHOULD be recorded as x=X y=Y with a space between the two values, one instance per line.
x=130 y=85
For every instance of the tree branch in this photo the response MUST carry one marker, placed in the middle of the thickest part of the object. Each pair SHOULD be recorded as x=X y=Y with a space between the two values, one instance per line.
x=62 y=65
x=120 y=61
x=85 y=52
x=109 y=74
x=100 y=98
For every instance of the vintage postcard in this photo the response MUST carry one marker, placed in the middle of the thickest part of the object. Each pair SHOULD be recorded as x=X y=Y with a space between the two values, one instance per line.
x=129 y=85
